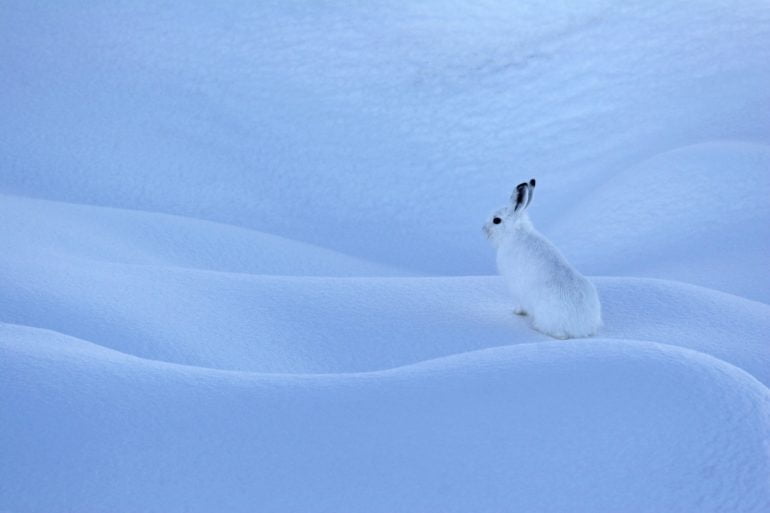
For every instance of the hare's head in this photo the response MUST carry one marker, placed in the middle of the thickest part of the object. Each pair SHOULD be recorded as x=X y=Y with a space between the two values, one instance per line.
x=508 y=218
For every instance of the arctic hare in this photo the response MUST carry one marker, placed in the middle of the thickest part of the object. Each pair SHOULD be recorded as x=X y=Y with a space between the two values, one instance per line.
x=559 y=300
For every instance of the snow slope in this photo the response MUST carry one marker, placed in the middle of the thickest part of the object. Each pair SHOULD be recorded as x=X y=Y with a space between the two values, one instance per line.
x=241 y=266
x=263 y=323
x=319 y=122
x=68 y=231
x=535 y=427
x=700 y=215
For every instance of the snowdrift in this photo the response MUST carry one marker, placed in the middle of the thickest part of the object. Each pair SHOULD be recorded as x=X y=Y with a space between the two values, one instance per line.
x=535 y=427
x=699 y=215
x=386 y=131
x=242 y=269
x=289 y=324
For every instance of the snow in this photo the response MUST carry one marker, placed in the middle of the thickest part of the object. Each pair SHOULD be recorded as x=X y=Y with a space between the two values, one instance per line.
x=700 y=216
x=242 y=266
x=533 y=427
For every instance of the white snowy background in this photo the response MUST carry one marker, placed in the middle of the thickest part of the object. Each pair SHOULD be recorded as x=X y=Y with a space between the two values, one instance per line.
x=241 y=264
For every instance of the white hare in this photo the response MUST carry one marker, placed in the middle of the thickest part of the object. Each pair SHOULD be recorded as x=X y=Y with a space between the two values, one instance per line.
x=559 y=300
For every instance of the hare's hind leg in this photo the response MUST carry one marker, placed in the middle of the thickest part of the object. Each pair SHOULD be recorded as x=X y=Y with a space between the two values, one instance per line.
x=553 y=332
x=559 y=335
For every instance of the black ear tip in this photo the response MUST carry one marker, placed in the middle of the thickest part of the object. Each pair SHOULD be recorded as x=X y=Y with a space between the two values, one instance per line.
x=532 y=183
x=521 y=186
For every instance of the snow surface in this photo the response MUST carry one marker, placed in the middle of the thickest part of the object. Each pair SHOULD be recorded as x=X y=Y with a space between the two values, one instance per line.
x=606 y=425
x=242 y=266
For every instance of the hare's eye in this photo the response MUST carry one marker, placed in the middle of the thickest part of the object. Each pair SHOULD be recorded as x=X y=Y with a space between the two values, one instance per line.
x=497 y=220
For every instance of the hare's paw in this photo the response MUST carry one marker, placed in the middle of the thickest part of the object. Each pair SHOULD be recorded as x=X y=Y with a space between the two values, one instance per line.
x=556 y=333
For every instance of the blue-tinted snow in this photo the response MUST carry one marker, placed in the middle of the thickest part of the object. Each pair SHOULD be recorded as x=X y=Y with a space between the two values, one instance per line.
x=242 y=269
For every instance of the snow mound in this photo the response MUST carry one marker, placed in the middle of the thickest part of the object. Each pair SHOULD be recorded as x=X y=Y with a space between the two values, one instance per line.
x=535 y=427
x=59 y=230
x=319 y=122
x=697 y=214
x=324 y=324
x=196 y=293
x=728 y=327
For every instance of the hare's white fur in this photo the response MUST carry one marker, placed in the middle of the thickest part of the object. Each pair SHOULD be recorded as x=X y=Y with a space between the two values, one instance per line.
x=559 y=300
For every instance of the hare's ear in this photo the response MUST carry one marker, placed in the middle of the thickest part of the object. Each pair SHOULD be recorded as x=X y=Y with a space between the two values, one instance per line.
x=520 y=196
x=530 y=191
